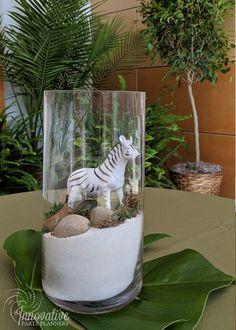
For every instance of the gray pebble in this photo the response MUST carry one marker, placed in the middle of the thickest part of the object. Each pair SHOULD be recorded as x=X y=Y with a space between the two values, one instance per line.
x=71 y=225
x=99 y=214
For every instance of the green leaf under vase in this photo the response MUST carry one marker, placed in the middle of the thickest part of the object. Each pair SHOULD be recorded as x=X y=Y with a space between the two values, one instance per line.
x=35 y=303
x=139 y=315
x=152 y=238
x=24 y=248
x=174 y=293
x=182 y=281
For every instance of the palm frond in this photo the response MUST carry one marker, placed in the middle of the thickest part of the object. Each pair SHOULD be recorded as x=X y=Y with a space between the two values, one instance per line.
x=59 y=45
x=127 y=53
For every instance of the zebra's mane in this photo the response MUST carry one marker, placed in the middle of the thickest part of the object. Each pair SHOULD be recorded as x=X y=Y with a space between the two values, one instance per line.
x=114 y=156
x=116 y=150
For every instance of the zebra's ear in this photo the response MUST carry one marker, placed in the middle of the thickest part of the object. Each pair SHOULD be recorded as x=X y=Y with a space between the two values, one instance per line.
x=122 y=139
x=131 y=140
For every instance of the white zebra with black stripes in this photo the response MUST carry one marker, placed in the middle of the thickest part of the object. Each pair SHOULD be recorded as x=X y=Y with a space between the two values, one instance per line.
x=104 y=179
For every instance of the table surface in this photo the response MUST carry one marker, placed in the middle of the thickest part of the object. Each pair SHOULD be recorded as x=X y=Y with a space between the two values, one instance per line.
x=201 y=222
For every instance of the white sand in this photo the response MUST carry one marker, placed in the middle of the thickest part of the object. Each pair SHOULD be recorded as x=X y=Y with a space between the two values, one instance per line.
x=96 y=265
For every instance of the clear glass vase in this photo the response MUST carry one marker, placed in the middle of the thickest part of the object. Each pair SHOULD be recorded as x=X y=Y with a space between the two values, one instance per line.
x=93 y=182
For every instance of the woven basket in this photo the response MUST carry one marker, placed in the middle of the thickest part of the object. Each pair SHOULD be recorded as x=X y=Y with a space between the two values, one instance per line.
x=201 y=183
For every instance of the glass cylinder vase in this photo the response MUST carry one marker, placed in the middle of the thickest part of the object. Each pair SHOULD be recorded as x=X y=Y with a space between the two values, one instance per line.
x=93 y=179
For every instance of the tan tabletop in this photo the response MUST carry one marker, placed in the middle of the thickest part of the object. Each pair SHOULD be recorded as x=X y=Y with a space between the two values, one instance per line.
x=200 y=222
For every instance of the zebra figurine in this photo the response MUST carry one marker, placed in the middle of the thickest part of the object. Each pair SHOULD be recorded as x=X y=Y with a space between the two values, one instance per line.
x=104 y=179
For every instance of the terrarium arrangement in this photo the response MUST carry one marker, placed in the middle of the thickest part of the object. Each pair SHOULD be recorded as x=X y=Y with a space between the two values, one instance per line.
x=93 y=181
x=96 y=216
x=190 y=38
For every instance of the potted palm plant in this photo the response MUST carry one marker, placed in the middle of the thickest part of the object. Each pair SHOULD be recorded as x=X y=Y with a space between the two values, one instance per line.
x=57 y=45
x=189 y=37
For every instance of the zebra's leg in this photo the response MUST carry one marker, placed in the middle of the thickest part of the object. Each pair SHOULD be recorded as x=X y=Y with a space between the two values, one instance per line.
x=120 y=194
x=107 y=198
x=74 y=196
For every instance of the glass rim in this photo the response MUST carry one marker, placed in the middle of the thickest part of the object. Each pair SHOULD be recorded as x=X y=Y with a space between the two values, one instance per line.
x=91 y=91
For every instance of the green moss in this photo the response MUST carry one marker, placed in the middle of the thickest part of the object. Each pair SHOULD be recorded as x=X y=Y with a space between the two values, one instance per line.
x=129 y=209
x=53 y=209
x=85 y=207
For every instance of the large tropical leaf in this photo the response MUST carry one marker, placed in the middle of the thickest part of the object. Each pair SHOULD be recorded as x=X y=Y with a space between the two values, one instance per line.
x=182 y=282
x=36 y=304
x=24 y=248
x=152 y=238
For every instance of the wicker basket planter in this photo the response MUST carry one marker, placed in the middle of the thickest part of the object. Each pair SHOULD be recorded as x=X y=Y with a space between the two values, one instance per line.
x=205 y=183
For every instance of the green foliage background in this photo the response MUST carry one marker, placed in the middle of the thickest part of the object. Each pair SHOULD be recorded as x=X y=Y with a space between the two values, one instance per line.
x=56 y=45
x=17 y=158
x=163 y=140
x=64 y=45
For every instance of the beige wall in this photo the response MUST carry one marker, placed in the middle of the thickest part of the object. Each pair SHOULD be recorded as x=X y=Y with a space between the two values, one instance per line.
x=215 y=103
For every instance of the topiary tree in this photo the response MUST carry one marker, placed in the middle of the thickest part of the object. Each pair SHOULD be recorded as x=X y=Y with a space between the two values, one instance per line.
x=189 y=36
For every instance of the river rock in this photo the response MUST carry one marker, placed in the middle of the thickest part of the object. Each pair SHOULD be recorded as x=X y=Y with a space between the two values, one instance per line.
x=71 y=225
x=50 y=223
x=99 y=215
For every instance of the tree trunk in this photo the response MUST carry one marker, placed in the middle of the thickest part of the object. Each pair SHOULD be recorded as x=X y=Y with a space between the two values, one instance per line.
x=195 y=119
